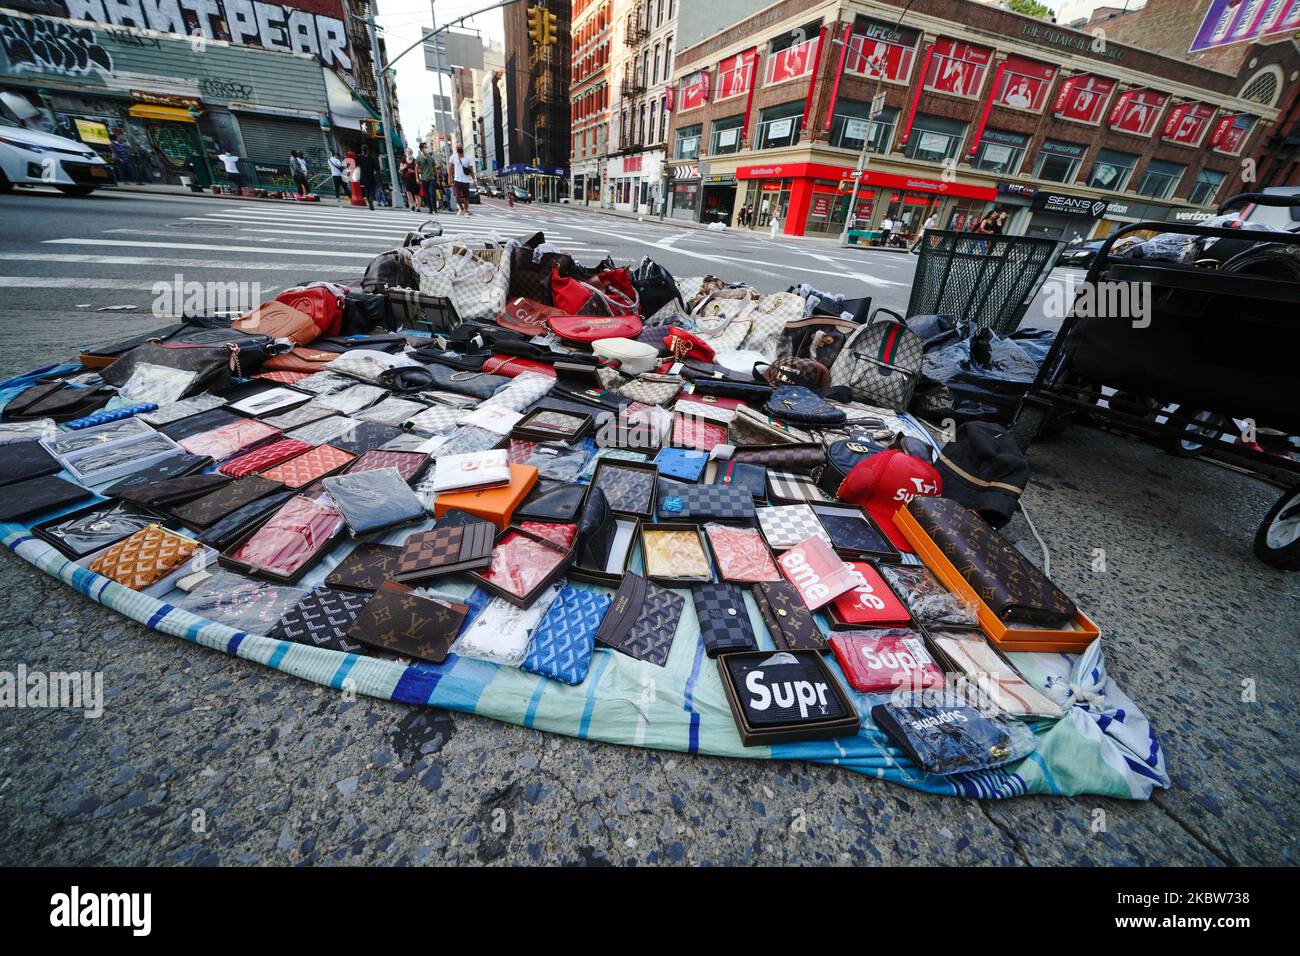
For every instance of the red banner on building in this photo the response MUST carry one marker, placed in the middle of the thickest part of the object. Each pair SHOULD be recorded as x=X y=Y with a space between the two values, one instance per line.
x=1230 y=132
x=792 y=62
x=884 y=51
x=1188 y=123
x=1137 y=112
x=734 y=77
x=695 y=91
x=1022 y=83
x=956 y=67
x=1082 y=99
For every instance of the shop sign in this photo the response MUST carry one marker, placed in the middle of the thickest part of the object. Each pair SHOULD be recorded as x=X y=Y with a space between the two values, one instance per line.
x=1062 y=205
x=869 y=178
x=93 y=133
x=1075 y=42
x=1016 y=189
x=821 y=205
x=1189 y=215
x=166 y=99
x=689 y=171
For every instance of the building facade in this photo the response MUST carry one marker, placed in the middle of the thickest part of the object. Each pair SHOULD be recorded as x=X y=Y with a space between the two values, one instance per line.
x=537 y=103
x=164 y=105
x=645 y=35
x=948 y=108
x=590 y=95
x=476 y=111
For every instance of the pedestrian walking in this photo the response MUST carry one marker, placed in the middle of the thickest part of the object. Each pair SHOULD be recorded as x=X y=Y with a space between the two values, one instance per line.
x=298 y=169
x=337 y=171
x=426 y=168
x=931 y=222
x=462 y=175
x=231 y=162
x=367 y=174
x=886 y=227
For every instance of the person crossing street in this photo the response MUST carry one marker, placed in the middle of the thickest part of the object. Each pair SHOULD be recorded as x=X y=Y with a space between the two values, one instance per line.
x=426 y=166
x=462 y=175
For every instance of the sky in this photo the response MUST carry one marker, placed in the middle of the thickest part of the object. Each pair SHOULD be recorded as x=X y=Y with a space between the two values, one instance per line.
x=401 y=21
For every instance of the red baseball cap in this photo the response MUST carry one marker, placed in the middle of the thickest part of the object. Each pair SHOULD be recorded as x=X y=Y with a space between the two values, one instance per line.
x=884 y=483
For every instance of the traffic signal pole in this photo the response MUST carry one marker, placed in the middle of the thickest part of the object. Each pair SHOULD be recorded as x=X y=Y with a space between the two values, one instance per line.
x=385 y=111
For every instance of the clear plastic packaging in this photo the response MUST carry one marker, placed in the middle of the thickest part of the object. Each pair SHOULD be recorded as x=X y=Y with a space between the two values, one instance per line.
x=931 y=604
x=240 y=602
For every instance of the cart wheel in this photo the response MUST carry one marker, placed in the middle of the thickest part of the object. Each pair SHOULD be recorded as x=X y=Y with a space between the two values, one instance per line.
x=1028 y=425
x=1195 y=438
x=1277 y=542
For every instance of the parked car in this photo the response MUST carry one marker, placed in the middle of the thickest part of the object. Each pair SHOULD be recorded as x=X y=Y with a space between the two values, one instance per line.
x=1080 y=256
x=521 y=194
x=472 y=192
x=30 y=157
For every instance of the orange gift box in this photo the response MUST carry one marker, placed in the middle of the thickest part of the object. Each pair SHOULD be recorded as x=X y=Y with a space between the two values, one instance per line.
x=1072 y=639
x=494 y=504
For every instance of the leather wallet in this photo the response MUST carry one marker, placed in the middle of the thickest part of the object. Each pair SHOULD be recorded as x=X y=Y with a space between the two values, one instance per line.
x=1008 y=582
x=724 y=620
x=408 y=464
x=559 y=504
x=396 y=619
x=265 y=457
x=880 y=663
x=563 y=641
x=365 y=568
x=707 y=502
x=741 y=474
x=684 y=464
x=204 y=512
x=788 y=619
x=26 y=459
x=800 y=405
x=291 y=539
x=307 y=467
x=173 y=467
x=870 y=603
x=145 y=558
x=374 y=500
x=322 y=619
x=162 y=495
x=691 y=432
x=766 y=687
x=785 y=526
x=642 y=621
x=952 y=737
x=366 y=436
x=221 y=534
x=92 y=529
x=202 y=422
x=741 y=554
x=230 y=440
x=445 y=550
x=595 y=532
x=57 y=400
x=853 y=532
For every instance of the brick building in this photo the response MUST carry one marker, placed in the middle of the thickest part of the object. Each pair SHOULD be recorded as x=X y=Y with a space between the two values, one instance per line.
x=590 y=94
x=537 y=108
x=978 y=107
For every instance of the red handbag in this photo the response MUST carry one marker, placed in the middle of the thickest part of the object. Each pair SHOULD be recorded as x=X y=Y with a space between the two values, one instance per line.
x=512 y=365
x=323 y=301
x=588 y=328
x=527 y=316
x=684 y=345
x=607 y=293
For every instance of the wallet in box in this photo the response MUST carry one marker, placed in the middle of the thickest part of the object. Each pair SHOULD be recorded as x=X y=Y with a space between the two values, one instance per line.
x=931 y=604
x=492 y=504
x=563 y=641
x=269 y=401
x=322 y=619
x=785 y=526
x=308 y=467
x=1003 y=578
x=298 y=417
x=741 y=554
x=707 y=502
x=176 y=466
x=408 y=464
x=397 y=620
x=816 y=572
x=240 y=602
x=163 y=495
x=501 y=631
x=207 y=421
x=230 y=439
x=204 y=512
x=970 y=654
x=145 y=558
x=869 y=604
x=290 y=541
x=691 y=432
x=267 y=456
x=374 y=500
x=324 y=430
x=724 y=619
x=877 y=664
x=788 y=619
x=784 y=697
x=366 y=567
x=675 y=554
x=853 y=533
x=561 y=534
x=642 y=621
x=949 y=737
x=445 y=549
x=684 y=464
x=93 y=466
x=523 y=565
x=739 y=474
x=549 y=425
x=366 y=436
x=92 y=529
x=68 y=443
x=629 y=487
x=26 y=459
x=221 y=534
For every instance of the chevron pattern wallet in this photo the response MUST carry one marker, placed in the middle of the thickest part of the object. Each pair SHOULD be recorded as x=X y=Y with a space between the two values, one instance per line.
x=564 y=640
x=642 y=621
x=145 y=558
x=322 y=619
x=264 y=457
x=306 y=468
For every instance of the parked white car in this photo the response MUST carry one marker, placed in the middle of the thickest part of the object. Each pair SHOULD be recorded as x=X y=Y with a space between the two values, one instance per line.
x=28 y=156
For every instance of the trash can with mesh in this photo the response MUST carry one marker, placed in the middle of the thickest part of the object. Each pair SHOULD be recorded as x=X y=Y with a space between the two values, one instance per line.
x=984 y=282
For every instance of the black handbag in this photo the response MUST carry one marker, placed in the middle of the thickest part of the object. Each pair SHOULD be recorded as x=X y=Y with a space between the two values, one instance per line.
x=530 y=271
x=655 y=286
x=364 y=311
x=213 y=364
x=797 y=405
x=408 y=308
x=390 y=270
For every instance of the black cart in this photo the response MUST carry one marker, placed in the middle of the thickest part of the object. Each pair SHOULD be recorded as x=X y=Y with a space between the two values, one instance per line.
x=1209 y=369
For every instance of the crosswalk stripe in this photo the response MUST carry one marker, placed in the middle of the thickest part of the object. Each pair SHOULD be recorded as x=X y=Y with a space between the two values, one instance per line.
x=207 y=247
x=225 y=266
x=75 y=282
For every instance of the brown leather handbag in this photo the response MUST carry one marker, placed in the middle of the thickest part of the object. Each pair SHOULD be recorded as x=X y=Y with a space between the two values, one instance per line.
x=300 y=359
x=279 y=321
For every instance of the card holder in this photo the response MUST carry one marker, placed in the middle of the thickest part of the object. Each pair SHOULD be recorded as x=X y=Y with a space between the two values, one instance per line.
x=788 y=619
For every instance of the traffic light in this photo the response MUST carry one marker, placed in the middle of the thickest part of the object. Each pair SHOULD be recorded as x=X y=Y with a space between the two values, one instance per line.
x=551 y=33
x=537 y=25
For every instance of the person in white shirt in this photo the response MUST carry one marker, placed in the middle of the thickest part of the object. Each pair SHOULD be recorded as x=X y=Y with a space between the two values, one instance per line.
x=337 y=170
x=886 y=227
x=931 y=222
x=462 y=174
x=231 y=162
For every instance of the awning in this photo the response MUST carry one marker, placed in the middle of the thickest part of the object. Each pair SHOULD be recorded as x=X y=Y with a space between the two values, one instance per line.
x=149 y=111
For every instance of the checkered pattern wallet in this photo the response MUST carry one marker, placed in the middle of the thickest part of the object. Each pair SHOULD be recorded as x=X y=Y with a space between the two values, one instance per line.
x=712 y=502
x=444 y=550
x=724 y=619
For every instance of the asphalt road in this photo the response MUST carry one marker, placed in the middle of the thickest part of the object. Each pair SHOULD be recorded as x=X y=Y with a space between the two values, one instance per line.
x=200 y=758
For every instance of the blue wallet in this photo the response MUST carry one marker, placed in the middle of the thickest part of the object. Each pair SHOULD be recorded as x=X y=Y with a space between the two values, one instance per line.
x=684 y=464
x=563 y=642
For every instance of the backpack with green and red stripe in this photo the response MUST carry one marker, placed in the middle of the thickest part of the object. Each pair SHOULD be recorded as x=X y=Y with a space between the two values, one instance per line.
x=880 y=363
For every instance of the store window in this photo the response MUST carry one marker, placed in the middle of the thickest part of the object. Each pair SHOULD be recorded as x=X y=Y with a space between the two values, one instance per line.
x=1206 y=187
x=1057 y=161
x=687 y=144
x=1000 y=152
x=1023 y=84
x=965 y=214
x=772 y=201
x=1160 y=179
x=934 y=138
x=882 y=51
x=724 y=137
x=1111 y=170
x=957 y=68
x=850 y=127
x=826 y=209
x=779 y=125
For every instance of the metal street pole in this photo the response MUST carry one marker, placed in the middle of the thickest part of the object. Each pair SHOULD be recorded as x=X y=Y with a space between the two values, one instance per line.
x=385 y=111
